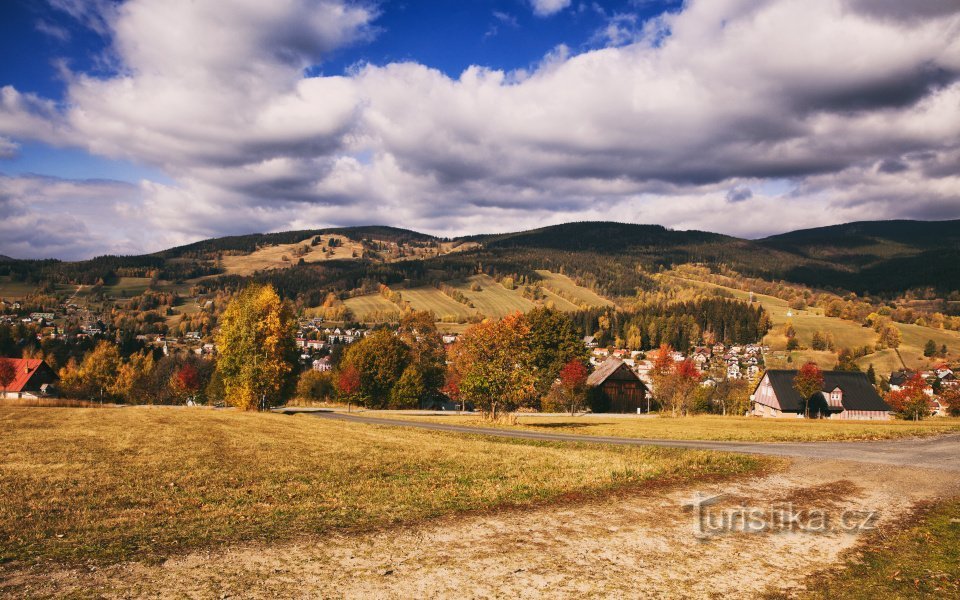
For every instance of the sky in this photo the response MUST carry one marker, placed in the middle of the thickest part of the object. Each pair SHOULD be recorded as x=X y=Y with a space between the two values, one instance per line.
x=136 y=125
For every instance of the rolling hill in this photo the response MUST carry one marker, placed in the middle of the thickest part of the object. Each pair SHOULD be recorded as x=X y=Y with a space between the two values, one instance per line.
x=886 y=257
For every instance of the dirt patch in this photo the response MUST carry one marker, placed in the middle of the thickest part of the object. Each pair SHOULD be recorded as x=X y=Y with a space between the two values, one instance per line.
x=633 y=545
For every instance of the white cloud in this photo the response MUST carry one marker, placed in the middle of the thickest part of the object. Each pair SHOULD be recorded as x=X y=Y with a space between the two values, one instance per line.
x=679 y=117
x=545 y=8
x=8 y=148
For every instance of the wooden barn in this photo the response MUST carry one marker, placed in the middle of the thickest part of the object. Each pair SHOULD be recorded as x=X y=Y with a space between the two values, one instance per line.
x=845 y=395
x=33 y=378
x=616 y=388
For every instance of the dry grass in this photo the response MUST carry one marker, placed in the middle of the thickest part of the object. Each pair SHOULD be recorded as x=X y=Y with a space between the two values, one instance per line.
x=565 y=287
x=51 y=403
x=433 y=300
x=372 y=308
x=712 y=427
x=494 y=300
x=271 y=257
x=102 y=486
x=920 y=560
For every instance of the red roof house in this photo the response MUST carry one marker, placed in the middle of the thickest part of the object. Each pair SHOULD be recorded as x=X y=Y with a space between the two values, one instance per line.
x=32 y=378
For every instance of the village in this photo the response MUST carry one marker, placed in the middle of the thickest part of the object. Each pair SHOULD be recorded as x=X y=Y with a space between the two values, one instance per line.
x=625 y=376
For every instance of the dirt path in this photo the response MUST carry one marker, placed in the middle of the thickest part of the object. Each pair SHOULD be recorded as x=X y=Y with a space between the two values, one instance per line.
x=642 y=544
x=941 y=452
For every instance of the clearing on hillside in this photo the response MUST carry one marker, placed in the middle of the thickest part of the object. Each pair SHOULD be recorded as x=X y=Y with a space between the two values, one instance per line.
x=431 y=299
x=494 y=300
x=372 y=308
x=565 y=287
x=272 y=257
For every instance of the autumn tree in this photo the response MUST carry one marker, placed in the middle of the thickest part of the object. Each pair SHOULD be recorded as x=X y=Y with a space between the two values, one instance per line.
x=569 y=392
x=315 y=386
x=257 y=353
x=675 y=387
x=132 y=377
x=554 y=343
x=186 y=383
x=808 y=381
x=495 y=364
x=911 y=400
x=348 y=385
x=951 y=398
x=662 y=360
x=7 y=374
x=424 y=374
x=380 y=359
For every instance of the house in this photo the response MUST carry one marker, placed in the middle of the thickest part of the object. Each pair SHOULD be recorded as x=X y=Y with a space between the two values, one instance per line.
x=845 y=395
x=616 y=388
x=590 y=341
x=733 y=371
x=322 y=365
x=33 y=379
x=899 y=378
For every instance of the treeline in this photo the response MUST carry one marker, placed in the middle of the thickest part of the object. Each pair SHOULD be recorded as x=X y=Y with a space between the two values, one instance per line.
x=102 y=270
x=680 y=325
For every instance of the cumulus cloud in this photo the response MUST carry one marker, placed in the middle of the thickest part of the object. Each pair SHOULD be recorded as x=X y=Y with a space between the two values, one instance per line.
x=545 y=8
x=853 y=107
x=46 y=216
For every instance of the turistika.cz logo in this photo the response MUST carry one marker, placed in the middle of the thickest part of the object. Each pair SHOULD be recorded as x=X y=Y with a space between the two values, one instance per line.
x=711 y=520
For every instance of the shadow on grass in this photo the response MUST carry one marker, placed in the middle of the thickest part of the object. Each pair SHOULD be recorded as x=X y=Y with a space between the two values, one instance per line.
x=561 y=425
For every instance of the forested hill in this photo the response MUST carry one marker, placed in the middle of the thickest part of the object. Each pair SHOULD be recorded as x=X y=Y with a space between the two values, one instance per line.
x=877 y=256
x=250 y=242
x=600 y=236
x=886 y=257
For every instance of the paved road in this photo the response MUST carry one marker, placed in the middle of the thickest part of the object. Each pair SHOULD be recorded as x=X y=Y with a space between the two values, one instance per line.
x=942 y=452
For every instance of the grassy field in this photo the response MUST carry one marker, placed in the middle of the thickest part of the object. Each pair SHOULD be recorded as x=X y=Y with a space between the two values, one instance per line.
x=373 y=307
x=271 y=257
x=106 y=485
x=127 y=287
x=432 y=299
x=558 y=302
x=920 y=561
x=13 y=290
x=711 y=427
x=564 y=286
x=494 y=300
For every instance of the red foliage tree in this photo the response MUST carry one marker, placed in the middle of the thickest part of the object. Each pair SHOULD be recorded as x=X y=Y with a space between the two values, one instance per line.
x=348 y=384
x=188 y=378
x=7 y=373
x=808 y=381
x=573 y=374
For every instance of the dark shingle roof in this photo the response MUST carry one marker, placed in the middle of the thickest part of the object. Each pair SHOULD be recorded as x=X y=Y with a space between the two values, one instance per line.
x=858 y=394
x=606 y=369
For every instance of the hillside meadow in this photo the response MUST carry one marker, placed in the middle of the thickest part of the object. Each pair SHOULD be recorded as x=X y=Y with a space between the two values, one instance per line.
x=846 y=334
x=707 y=427
x=106 y=485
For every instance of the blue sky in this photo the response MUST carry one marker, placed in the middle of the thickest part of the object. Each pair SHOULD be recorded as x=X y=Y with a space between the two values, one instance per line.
x=449 y=35
x=133 y=125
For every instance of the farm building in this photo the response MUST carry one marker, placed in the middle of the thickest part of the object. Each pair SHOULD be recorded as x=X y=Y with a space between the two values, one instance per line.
x=845 y=395
x=33 y=378
x=616 y=388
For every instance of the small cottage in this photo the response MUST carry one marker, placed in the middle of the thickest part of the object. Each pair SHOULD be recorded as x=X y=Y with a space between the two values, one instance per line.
x=616 y=388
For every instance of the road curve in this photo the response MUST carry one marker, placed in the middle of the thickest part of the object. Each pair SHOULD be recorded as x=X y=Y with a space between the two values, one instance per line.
x=941 y=452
